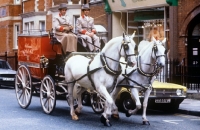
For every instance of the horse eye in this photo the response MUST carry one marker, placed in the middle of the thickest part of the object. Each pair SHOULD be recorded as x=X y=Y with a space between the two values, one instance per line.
x=126 y=47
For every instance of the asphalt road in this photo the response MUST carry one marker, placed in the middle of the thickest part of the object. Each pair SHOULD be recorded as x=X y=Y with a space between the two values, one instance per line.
x=13 y=117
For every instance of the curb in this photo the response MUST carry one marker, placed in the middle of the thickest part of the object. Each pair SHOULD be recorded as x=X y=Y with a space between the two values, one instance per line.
x=188 y=112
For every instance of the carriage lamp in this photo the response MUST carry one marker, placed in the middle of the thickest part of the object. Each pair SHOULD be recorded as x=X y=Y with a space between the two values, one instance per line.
x=44 y=62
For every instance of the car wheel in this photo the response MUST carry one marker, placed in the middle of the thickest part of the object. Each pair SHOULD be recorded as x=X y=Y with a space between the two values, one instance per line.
x=127 y=103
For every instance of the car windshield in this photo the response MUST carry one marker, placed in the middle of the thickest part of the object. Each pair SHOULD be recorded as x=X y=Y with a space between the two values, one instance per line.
x=4 y=65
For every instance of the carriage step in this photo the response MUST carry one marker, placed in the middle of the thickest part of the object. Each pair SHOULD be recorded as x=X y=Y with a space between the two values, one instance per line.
x=36 y=83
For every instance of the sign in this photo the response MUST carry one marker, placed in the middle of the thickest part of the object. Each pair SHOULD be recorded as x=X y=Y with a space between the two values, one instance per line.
x=123 y=5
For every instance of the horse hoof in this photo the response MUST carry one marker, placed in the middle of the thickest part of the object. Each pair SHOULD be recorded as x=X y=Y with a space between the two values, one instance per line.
x=105 y=121
x=145 y=123
x=128 y=114
x=115 y=116
x=75 y=118
x=77 y=113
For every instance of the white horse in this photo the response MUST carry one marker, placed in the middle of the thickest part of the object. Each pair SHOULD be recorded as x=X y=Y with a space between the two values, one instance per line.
x=150 y=60
x=100 y=72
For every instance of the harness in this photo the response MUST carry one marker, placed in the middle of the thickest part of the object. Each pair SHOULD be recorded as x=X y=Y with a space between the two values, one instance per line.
x=106 y=67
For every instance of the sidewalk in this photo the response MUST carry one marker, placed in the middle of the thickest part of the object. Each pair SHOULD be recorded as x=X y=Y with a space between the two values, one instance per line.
x=191 y=105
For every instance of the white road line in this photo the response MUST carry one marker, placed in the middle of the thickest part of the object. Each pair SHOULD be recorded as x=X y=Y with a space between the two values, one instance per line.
x=172 y=121
x=195 y=119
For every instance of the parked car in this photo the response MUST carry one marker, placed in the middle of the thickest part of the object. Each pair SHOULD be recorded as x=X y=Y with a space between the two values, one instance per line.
x=7 y=74
x=164 y=96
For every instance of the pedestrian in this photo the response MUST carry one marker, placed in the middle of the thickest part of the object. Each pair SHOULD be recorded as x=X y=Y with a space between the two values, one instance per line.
x=154 y=33
x=63 y=30
x=87 y=31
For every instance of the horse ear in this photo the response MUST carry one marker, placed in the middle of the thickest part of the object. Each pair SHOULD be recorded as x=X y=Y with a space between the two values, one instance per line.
x=133 y=35
x=163 y=41
x=123 y=35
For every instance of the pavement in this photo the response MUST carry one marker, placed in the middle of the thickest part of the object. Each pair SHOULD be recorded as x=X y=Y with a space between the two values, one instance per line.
x=190 y=105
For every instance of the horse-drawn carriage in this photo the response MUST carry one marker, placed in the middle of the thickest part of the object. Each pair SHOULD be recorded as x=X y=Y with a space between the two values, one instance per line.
x=41 y=68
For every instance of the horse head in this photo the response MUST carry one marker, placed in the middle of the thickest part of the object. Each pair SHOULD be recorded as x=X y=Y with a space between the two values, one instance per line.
x=159 y=51
x=128 y=49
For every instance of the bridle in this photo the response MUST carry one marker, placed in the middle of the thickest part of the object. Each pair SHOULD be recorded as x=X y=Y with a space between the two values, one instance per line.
x=157 y=67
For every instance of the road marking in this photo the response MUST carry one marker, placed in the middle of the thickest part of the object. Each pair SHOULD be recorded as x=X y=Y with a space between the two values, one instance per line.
x=172 y=121
x=195 y=119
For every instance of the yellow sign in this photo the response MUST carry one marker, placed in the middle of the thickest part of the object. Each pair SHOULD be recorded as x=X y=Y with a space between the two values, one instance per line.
x=123 y=5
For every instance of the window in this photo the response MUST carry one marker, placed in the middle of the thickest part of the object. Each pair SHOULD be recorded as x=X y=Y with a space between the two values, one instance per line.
x=17 y=1
x=42 y=25
x=26 y=27
x=16 y=31
x=31 y=25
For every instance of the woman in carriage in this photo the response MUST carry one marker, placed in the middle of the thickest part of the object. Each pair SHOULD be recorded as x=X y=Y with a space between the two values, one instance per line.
x=63 y=30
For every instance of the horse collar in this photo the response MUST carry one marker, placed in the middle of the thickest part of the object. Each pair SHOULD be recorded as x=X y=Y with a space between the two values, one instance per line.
x=107 y=68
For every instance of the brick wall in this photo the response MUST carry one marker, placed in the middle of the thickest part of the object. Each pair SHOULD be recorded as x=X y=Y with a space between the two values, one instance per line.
x=99 y=15
x=49 y=22
x=29 y=6
x=4 y=2
x=41 y=5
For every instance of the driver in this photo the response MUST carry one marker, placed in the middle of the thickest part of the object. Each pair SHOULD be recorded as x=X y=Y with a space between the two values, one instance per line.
x=63 y=27
x=85 y=27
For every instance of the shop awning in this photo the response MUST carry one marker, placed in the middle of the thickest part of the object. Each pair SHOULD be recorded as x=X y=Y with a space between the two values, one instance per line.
x=148 y=15
x=124 y=5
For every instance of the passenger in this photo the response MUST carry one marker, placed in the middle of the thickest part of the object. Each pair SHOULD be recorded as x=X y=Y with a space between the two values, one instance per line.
x=85 y=27
x=63 y=30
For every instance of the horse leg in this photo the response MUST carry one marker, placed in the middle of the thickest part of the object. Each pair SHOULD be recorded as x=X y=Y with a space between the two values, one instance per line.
x=114 y=94
x=71 y=101
x=135 y=95
x=108 y=103
x=145 y=102
x=79 y=97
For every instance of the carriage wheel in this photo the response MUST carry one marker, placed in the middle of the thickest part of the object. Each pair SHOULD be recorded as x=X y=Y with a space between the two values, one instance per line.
x=23 y=86
x=48 y=94
x=97 y=103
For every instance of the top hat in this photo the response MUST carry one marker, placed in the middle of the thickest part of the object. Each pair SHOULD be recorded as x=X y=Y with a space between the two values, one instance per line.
x=62 y=6
x=85 y=6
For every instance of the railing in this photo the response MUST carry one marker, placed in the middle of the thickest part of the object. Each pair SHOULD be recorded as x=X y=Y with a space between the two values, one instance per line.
x=12 y=60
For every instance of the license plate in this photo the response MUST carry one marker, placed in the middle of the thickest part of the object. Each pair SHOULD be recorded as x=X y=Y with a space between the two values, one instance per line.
x=162 y=100
x=8 y=79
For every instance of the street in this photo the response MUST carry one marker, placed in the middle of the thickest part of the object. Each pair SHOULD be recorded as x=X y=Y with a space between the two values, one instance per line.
x=13 y=117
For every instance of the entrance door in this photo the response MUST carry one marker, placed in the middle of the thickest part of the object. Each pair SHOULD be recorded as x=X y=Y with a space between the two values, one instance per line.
x=194 y=51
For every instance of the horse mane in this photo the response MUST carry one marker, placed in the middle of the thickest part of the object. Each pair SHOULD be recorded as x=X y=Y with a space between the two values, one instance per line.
x=144 y=45
x=111 y=42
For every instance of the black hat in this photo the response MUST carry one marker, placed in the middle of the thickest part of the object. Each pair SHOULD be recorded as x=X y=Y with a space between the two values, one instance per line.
x=62 y=6
x=85 y=6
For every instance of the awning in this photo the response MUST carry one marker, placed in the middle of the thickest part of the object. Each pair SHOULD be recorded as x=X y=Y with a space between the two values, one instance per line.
x=124 y=5
x=148 y=15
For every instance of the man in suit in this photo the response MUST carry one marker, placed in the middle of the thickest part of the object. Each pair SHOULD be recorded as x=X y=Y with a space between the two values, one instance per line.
x=63 y=27
x=85 y=27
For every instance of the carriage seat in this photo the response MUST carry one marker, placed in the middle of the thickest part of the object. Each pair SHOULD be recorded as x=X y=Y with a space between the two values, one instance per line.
x=53 y=39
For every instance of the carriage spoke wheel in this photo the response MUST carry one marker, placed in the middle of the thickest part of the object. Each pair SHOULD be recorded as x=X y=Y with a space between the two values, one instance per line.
x=97 y=103
x=48 y=94
x=23 y=86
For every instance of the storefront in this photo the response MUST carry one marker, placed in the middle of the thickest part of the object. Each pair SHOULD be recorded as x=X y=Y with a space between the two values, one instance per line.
x=148 y=18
